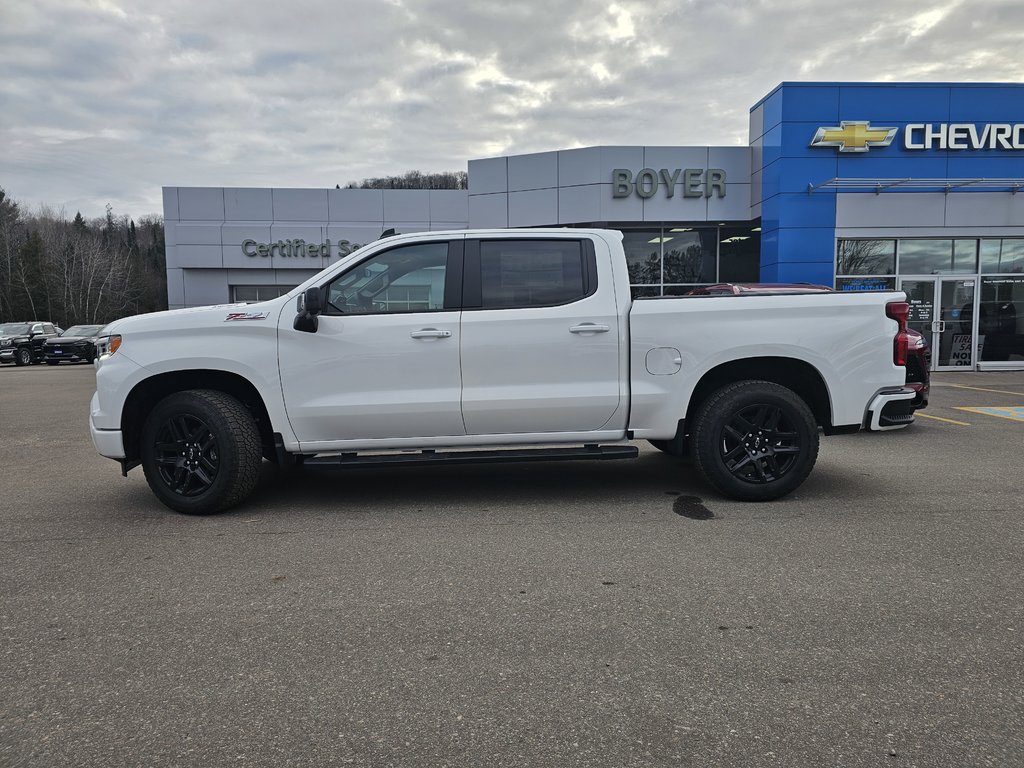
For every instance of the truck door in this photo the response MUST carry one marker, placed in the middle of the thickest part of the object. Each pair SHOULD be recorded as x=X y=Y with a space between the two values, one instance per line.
x=384 y=361
x=540 y=337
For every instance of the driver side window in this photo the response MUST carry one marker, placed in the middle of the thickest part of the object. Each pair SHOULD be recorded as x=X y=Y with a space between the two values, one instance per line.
x=406 y=279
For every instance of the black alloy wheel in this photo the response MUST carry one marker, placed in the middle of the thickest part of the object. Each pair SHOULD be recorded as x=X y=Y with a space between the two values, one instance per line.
x=760 y=444
x=755 y=440
x=186 y=455
x=201 y=451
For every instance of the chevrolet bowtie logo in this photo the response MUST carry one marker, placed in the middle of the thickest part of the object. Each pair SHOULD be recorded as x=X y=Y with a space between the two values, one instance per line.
x=853 y=136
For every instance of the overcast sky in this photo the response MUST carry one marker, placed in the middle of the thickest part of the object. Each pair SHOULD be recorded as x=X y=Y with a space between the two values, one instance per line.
x=106 y=101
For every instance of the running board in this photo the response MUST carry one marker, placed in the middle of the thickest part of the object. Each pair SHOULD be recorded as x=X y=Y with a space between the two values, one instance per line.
x=429 y=457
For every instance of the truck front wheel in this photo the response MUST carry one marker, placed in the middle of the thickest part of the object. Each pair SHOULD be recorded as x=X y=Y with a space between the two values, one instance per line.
x=755 y=440
x=201 y=451
x=23 y=356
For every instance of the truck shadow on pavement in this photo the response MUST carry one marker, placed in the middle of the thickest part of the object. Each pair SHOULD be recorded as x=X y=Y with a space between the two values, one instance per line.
x=567 y=482
x=651 y=481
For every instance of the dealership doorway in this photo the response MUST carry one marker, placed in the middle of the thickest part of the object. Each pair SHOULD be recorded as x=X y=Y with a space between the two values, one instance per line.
x=942 y=309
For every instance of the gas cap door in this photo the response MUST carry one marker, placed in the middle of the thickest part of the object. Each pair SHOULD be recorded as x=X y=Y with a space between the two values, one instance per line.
x=664 y=361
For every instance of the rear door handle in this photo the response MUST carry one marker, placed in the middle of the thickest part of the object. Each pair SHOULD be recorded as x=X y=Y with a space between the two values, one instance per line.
x=589 y=328
x=430 y=333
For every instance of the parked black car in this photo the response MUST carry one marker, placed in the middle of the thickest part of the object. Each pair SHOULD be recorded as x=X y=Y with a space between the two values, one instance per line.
x=76 y=345
x=22 y=343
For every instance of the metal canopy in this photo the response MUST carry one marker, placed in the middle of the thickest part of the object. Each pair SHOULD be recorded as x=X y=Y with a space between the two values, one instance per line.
x=919 y=185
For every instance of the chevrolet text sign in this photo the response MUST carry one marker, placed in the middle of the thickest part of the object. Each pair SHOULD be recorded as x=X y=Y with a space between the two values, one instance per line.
x=861 y=136
x=963 y=136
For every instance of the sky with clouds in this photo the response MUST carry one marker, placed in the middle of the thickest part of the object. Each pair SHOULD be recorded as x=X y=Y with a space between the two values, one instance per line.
x=106 y=101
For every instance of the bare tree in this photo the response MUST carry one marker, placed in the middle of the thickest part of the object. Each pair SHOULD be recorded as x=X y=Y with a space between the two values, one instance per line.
x=77 y=271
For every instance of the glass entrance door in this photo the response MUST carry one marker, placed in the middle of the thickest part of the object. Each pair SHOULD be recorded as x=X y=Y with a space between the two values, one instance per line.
x=955 y=347
x=942 y=310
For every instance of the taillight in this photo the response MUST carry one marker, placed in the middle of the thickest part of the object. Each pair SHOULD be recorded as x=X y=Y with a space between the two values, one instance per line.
x=899 y=311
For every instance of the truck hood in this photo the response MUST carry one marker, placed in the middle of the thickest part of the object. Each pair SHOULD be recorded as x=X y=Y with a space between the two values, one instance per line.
x=199 y=317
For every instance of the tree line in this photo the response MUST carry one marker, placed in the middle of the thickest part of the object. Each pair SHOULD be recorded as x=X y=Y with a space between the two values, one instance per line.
x=78 y=271
x=415 y=180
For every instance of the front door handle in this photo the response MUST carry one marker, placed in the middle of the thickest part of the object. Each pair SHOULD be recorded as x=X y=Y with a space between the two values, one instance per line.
x=430 y=333
x=589 y=328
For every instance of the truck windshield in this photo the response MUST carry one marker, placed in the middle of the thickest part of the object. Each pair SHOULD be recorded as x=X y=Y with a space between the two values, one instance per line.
x=82 y=330
x=14 y=329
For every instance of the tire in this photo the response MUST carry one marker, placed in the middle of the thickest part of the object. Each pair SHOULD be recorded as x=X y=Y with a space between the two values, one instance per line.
x=23 y=356
x=755 y=440
x=201 y=451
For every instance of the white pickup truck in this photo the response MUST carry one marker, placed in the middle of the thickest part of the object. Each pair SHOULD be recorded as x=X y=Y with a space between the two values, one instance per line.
x=494 y=345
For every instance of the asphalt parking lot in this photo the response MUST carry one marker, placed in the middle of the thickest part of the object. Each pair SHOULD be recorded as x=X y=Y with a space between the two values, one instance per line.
x=576 y=614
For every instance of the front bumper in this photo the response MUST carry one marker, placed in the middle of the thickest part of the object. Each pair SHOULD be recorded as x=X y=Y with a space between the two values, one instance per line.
x=108 y=442
x=69 y=354
x=891 y=409
x=7 y=353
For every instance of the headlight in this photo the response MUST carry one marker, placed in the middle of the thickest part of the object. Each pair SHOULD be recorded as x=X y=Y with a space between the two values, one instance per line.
x=107 y=345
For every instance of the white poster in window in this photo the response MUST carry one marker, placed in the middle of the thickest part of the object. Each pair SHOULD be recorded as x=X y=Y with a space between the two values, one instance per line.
x=960 y=354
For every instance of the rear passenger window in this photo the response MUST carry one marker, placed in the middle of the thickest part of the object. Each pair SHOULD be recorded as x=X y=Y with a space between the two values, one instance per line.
x=531 y=273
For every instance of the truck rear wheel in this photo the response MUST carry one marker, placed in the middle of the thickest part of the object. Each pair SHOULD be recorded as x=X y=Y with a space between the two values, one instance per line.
x=755 y=440
x=201 y=451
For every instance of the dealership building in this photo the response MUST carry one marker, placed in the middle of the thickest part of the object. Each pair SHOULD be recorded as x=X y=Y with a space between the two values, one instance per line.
x=857 y=186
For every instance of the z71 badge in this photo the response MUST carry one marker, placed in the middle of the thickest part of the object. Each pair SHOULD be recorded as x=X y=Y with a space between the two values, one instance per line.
x=247 y=316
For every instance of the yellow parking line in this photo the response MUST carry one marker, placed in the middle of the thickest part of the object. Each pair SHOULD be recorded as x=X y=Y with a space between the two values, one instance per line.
x=988 y=412
x=939 y=418
x=981 y=389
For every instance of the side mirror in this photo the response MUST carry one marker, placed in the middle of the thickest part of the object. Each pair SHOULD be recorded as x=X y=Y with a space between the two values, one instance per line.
x=311 y=304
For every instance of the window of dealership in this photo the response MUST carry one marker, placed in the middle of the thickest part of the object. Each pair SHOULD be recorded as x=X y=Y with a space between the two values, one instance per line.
x=673 y=259
x=964 y=292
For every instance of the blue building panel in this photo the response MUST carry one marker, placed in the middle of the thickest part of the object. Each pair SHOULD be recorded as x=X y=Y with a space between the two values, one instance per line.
x=792 y=175
x=773 y=113
x=798 y=245
x=807 y=244
x=810 y=102
x=771 y=146
x=988 y=166
x=769 y=246
x=803 y=209
x=986 y=103
x=771 y=210
x=817 y=272
x=899 y=102
x=871 y=165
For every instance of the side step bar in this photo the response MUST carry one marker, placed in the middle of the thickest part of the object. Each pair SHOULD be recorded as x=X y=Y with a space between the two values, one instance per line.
x=430 y=457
